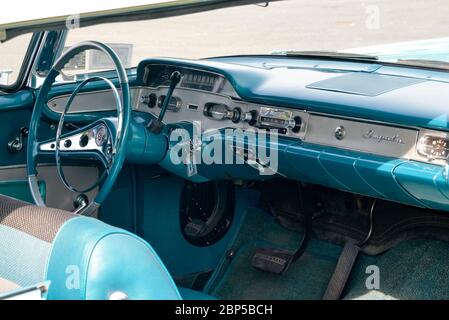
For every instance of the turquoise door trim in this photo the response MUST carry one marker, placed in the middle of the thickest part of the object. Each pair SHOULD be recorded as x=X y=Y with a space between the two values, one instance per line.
x=19 y=189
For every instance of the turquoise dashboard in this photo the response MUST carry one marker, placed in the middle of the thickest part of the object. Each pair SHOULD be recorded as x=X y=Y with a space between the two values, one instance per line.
x=372 y=129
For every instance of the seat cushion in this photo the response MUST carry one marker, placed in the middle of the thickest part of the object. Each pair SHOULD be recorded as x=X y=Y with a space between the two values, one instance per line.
x=27 y=233
x=40 y=222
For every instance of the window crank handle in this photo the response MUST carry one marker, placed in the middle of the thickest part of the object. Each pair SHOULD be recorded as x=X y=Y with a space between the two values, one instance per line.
x=16 y=144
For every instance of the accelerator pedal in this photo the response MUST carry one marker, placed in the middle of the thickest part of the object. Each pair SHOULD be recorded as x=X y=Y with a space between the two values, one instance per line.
x=278 y=260
x=272 y=260
x=342 y=271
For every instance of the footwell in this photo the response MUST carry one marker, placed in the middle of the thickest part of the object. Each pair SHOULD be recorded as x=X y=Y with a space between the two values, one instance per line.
x=413 y=269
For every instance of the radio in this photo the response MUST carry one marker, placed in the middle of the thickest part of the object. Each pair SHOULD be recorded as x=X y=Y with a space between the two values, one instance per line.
x=273 y=118
x=264 y=118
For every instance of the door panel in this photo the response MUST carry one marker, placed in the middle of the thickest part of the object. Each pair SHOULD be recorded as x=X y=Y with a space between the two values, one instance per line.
x=15 y=113
x=16 y=106
x=56 y=194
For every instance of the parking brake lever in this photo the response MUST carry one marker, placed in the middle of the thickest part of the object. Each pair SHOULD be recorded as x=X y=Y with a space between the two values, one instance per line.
x=156 y=125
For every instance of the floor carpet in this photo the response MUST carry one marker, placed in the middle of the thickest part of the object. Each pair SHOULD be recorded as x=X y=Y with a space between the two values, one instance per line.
x=416 y=269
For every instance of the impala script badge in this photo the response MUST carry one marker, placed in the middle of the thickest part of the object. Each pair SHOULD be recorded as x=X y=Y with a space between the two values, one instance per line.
x=372 y=134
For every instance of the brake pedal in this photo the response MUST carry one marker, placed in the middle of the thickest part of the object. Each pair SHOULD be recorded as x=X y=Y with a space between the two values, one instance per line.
x=272 y=260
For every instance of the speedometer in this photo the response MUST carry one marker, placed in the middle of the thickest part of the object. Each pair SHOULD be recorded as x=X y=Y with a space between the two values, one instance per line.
x=198 y=80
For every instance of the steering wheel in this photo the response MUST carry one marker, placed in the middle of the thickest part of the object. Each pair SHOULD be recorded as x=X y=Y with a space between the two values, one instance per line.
x=103 y=140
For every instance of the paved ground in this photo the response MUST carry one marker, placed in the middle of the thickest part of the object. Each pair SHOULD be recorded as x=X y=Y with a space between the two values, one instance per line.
x=291 y=24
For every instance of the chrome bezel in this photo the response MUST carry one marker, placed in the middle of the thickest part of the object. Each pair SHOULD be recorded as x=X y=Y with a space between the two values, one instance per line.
x=422 y=144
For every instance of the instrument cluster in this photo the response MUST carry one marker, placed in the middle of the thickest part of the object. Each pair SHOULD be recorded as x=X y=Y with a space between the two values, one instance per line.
x=159 y=76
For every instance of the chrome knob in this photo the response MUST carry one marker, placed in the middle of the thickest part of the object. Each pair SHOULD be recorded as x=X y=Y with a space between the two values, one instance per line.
x=340 y=132
x=144 y=99
x=250 y=117
x=222 y=112
x=149 y=100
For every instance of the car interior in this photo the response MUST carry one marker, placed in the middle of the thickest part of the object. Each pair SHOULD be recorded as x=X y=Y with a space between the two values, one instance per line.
x=346 y=178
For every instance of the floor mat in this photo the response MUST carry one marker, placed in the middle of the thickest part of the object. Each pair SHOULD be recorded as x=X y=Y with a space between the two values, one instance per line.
x=415 y=269
x=307 y=278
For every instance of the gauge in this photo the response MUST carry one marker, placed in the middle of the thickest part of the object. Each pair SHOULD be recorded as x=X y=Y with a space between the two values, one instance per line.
x=433 y=147
x=164 y=76
x=101 y=136
x=199 y=80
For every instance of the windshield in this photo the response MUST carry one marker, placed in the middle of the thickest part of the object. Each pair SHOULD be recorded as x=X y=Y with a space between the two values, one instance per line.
x=391 y=30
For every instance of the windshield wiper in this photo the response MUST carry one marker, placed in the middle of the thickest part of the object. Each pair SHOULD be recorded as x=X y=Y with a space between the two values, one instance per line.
x=424 y=63
x=328 y=54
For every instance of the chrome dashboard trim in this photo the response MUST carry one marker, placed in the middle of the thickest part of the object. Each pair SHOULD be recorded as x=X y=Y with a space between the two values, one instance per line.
x=93 y=101
x=361 y=136
x=317 y=128
x=191 y=97
x=413 y=155
x=435 y=133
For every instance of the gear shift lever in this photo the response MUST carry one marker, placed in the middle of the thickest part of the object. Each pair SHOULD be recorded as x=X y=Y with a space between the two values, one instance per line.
x=156 y=125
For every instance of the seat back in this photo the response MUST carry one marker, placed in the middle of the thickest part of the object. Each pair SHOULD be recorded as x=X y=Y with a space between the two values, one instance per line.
x=83 y=257
x=27 y=233
x=92 y=260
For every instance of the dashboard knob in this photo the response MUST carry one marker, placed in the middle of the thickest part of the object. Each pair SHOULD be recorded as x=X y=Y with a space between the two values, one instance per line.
x=217 y=111
x=296 y=125
x=221 y=112
x=236 y=115
x=250 y=117
x=340 y=132
x=149 y=100
x=144 y=99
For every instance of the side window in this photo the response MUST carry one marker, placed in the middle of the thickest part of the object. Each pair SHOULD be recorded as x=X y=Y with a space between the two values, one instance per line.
x=12 y=54
x=88 y=62
x=92 y=61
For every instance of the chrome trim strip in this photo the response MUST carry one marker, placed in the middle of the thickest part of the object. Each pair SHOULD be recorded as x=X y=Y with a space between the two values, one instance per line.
x=34 y=188
x=362 y=136
x=60 y=101
x=89 y=210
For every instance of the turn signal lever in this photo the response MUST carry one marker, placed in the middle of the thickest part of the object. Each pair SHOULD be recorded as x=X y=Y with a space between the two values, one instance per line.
x=156 y=125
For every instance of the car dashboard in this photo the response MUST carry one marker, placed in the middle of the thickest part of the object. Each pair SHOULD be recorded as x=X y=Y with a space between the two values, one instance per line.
x=370 y=129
